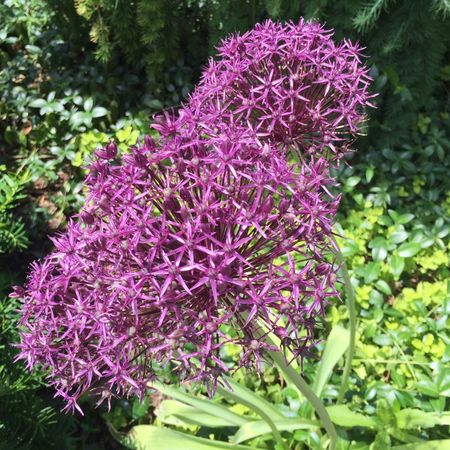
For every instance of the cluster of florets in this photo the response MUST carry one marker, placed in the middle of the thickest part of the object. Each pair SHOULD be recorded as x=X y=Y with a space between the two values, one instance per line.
x=171 y=246
x=212 y=228
x=290 y=85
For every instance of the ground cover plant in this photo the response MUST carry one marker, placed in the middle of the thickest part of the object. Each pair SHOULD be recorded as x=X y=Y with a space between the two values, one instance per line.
x=392 y=225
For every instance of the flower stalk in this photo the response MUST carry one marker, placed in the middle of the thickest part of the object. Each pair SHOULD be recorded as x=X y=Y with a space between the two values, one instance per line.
x=298 y=381
x=351 y=306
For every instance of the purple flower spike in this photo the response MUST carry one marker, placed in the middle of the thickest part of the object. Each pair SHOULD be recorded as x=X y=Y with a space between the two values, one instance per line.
x=289 y=85
x=173 y=245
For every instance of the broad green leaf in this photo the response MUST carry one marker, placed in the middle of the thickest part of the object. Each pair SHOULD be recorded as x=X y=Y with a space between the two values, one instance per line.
x=172 y=412
x=396 y=265
x=38 y=103
x=399 y=236
x=99 y=111
x=341 y=415
x=379 y=254
x=204 y=405
x=33 y=49
x=352 y=181
x=400 y=218
x=149 y=437
x=371 y=271
x=409 y=249
x=378 y=242
x=383 y=339
x=258 y=428
x=383 y=287
x=427 y=387
x=443 y=444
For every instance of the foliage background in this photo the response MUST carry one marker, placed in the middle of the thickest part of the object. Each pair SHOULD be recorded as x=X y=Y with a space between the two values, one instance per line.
x=73 y=75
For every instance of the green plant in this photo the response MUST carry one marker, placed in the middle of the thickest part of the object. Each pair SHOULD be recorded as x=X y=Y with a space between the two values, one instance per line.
x=193 y=412
x=12 y=230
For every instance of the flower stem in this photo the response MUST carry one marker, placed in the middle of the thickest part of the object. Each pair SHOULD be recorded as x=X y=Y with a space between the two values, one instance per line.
x=297 y=380
x=351 y=306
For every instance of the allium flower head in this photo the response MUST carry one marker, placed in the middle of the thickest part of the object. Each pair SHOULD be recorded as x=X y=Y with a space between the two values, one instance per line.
x=289 y=85
x=173 y=245
x=212 y=228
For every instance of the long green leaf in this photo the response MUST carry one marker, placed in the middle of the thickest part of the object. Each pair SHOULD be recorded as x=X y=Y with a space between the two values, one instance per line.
x=249 y=401
x=246 y=394
x=149 y=437
x=443 y=444
x=173 y=412
x=350 y=301
x=204 y=405
x=335 y=348
x=291 y=376
x=410 y=418
x=254 y=429
x=336 y=345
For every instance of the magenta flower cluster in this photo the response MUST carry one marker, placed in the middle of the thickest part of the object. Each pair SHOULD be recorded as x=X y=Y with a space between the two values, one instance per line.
x=288 y=85
x=211 y=228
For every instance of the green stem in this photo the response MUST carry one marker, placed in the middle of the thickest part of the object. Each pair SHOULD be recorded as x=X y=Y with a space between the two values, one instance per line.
x=276 y=434
x=297 y=380
x=351 y=306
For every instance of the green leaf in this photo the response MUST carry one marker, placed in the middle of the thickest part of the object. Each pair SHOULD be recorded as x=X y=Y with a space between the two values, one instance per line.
x=399 y=236
x=33 y=49
x=415 y=418
x=38 y=103
x=405 y=218
x=400 y=218
x=349 y=248
x=371 y=272
x=252 y=430
x=204 y=405
x=149 y=437
x=123 y=134
x=88 y=104
x=99 y=111
x=245 y=394
x=409 y=249
x=379 y=248
x=172 y=412
x=443 y=444
x=335 y=348
x=369 y=173
x=352 y=181
x=427 y=387
x=378 y=242
x=396 y=265
x=382 y=286
x=341 y=415
x=383 y=339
